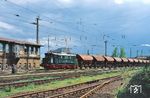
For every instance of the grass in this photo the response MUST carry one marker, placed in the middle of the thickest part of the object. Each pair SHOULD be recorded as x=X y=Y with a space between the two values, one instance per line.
x=63 y=83
x=33 y=78
x=126 y=75
x=30 y=78
x=142 y=77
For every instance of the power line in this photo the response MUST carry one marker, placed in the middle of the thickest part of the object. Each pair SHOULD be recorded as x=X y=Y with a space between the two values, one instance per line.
x=32 y=11
x=50 y=18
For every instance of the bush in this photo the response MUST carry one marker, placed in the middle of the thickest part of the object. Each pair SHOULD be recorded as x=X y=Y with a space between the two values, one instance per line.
x=142 y=78
x=8 y=89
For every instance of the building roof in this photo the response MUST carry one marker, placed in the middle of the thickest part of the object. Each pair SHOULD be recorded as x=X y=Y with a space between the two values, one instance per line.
x=85 y=57
x=110 y=59
x=7 y=40
x=99 y=58
x=118 y=59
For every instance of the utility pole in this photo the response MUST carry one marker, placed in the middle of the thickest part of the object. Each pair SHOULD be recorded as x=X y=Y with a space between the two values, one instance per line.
x=105 y=43
x=88 y=52
x=37 y=29
x=66 y=43
x=142 y=52
x=130 y=52
x=105 y=47
x=137 y=53
x=48 y=43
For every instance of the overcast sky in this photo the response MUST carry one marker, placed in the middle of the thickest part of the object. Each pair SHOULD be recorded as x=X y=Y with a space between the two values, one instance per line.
x=80 y=24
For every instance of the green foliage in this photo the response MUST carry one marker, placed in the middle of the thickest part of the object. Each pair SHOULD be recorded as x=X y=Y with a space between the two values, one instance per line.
x=8 y=89
x=142 y=78
x=122 y=52
x=115 y=52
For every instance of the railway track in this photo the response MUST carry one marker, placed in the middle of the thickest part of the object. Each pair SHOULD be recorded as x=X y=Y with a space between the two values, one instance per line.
x=9 y=79
x=12 y=78
x=73 y=91
x=7 y=72
x=43 y=81
x=36 y=82
x=95 y=90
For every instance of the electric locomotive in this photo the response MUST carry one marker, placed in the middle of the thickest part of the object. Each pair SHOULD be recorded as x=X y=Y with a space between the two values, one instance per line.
x=59 y=61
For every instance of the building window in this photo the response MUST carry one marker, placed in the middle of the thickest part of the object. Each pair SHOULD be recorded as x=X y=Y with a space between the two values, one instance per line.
x=7 y=48
x=25 y=49
x=1 y=47
x=34 y=65
x=29 y=65
x=32 y=50
x=25 y=65
x=0 y=65
x=36 y=50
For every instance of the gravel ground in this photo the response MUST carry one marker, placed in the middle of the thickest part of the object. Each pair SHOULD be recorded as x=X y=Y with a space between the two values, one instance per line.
x=107 y=91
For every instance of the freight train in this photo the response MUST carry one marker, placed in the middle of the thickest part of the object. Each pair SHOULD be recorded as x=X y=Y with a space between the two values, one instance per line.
x=72 y=61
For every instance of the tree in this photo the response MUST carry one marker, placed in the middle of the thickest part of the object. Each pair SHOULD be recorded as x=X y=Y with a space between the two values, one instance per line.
x=115 y=52
x=122 y=52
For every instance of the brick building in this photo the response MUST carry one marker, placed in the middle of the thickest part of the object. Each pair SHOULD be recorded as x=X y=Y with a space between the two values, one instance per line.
x=21 y=53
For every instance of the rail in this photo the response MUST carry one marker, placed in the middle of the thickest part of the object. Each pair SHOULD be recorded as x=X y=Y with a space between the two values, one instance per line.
x=57 y=93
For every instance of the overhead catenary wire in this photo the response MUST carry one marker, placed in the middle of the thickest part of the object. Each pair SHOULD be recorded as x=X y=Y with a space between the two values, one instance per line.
x=63 y=22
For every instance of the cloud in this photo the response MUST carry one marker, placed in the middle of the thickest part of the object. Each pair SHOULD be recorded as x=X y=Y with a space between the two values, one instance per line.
x=82 y=3
x=146 y=1
x=7 y=26
x=24 y=2
x=104 y=13
x=119 y=1
x=132 y=1
x=145 y=45
x=66 y=1
x=56 y=2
